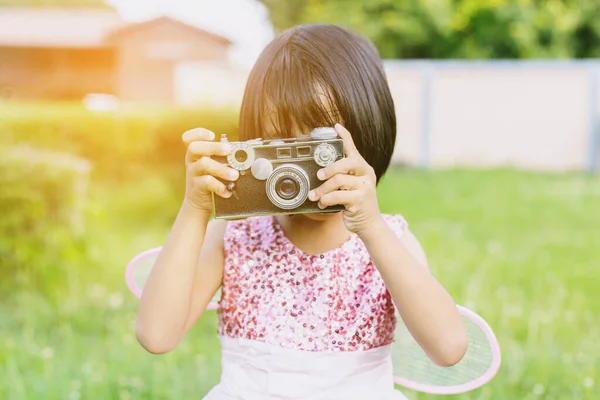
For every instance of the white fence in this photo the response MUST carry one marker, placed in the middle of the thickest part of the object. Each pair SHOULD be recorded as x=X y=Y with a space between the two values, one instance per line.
x=527 y=114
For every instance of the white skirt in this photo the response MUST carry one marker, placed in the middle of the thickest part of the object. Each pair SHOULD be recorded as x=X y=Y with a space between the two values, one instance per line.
x=253 y=370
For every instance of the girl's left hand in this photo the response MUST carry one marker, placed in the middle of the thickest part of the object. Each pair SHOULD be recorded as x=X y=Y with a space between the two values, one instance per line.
x=350 y=182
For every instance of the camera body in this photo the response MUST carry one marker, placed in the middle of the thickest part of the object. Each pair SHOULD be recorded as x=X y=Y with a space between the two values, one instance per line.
x=277 y=175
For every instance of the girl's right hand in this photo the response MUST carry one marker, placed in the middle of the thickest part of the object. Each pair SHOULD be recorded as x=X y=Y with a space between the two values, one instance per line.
x=202 y=171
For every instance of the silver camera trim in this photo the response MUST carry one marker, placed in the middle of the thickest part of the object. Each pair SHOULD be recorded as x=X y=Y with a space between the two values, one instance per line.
x=325 y=149
x=323 y=133
x=300 y=176
x=250 y=156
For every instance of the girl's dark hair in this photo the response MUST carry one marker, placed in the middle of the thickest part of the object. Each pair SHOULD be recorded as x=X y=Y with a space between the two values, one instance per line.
x=317 y=75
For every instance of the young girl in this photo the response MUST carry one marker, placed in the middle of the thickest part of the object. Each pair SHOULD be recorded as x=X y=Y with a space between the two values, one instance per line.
x=308 y=302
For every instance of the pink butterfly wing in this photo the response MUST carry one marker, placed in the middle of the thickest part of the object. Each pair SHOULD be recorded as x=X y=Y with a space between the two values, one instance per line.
x=139 y=268
x=415 y=371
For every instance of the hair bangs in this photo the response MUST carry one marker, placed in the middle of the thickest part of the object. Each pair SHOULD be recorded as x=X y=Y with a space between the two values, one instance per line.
x=315 y=76
x=286 y=98
x=295 y=102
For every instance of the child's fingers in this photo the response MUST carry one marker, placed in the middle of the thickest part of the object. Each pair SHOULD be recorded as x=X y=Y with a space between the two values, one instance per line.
x=200 y=149
x=348 y=166
x=338 y=182
x=349 y=146
x=211 y=184
x=197 y=134
x=208 y=166
x=347 y=198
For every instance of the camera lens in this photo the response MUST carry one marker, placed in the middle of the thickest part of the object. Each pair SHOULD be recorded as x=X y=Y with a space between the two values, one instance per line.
x=287 y=188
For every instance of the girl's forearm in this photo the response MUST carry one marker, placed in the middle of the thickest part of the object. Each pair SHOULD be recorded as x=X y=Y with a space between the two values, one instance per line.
x=165 y=303
x=426 y=308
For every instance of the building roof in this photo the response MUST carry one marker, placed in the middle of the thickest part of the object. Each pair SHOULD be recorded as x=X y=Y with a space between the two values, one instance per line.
x=124 y=30
x=69 y=27
x=56 y=27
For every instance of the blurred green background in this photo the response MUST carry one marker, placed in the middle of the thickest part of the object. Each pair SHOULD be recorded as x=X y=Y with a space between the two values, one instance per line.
x=81 y=193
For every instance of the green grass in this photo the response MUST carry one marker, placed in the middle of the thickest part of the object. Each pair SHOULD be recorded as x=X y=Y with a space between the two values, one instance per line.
x=518 y=248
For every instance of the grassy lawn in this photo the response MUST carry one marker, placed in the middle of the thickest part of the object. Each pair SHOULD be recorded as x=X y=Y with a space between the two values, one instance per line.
x=518 y=248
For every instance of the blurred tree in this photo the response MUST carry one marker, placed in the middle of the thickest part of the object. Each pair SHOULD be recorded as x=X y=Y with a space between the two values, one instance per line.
x=54 y=3
x=458 y=28
x=287 y=13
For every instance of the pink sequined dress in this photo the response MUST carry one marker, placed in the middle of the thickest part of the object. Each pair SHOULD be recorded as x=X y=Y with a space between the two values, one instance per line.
x=303 y=327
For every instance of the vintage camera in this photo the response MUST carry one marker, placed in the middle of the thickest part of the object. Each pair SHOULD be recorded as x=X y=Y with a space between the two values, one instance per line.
x=276 y=175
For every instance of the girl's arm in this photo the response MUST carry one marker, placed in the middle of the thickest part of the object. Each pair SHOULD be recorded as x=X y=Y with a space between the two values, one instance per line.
x=426 y=308
x=189 y=269
x=184 y=279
